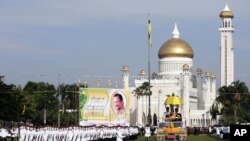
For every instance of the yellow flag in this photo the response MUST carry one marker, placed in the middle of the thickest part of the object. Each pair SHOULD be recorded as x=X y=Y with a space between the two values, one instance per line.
x=116 y=84
x=85 y=83
x=98 y=83
x=109 y=83
x=149 y=34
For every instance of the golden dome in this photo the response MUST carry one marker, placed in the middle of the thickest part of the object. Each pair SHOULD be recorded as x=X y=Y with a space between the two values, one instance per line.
x=175 y=47
x=207 y=74
x=213 y=75
x=199 y=70
x=226 y=14
x=125 y=68
x=185 y=67
x=142 y=72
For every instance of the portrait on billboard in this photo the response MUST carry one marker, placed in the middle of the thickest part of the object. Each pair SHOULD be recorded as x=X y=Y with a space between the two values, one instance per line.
x=118 y=105
x=102 y=105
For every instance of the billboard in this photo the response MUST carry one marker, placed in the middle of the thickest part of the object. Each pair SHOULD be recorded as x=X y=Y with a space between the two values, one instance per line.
x=104 y=106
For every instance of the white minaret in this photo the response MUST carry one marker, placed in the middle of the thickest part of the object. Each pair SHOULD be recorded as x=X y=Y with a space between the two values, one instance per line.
x=199 y=89
x=207 y=91
x=143 y=75
x=185 y=96
x=125 y=76
x=226 y=47
x=213 y=87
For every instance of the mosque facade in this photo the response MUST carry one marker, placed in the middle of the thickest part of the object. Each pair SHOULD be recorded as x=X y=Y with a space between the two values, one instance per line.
x=177 y=75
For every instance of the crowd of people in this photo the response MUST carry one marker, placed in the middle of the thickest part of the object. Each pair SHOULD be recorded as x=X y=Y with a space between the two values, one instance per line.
x=74 y=133
x=218 y=131
x=100 y=133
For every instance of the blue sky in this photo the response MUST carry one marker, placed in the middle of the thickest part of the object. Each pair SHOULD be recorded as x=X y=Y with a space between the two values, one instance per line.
x=92 y=39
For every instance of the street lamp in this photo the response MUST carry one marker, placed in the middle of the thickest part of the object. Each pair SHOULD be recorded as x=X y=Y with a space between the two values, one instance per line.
x=159 y=93
x=44 y=110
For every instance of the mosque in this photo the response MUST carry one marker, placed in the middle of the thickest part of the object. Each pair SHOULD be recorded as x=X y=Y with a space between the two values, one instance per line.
x=178 y=75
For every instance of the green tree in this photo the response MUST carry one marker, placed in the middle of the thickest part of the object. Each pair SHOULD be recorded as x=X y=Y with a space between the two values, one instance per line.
x=235 y=103
x=70 y=98
x=9 y=101
x=143 y=90
x=37 y=97
x=138 y=92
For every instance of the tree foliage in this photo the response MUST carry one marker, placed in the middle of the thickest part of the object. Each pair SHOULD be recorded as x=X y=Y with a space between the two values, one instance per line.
x=10 y=98
x=235 y=103
x=69 y=101
x=39 y=96
x=28 y=104
x=143 y=90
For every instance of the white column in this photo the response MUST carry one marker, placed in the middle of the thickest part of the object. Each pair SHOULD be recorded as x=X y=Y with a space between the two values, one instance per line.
x=186 y=109
x=199 y=89
x=213 y=85
x=125 y=76
x=207 y=91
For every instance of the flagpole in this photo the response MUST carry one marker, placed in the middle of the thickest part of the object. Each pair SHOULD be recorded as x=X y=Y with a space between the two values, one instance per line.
x=149 y=46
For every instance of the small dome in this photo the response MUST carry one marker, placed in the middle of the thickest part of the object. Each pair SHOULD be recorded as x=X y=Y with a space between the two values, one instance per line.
x=213 y=75
x=185 y=67
x=125 y=68
x=142 y=72
x=199 y=70
x=226 y=13
x=207 y=74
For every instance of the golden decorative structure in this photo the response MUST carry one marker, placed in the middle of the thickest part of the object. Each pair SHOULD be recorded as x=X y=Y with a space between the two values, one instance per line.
x=175 y=47
x=226 y=14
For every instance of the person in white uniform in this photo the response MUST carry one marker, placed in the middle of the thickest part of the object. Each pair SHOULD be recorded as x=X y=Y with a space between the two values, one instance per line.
x=119 y=136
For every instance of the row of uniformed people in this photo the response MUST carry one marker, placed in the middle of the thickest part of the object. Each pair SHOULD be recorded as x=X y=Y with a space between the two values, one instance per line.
x=4 y=132
x=67 y=134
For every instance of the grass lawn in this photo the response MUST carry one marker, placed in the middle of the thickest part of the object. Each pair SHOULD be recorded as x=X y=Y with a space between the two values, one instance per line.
x=190 y=138
x=202 y=138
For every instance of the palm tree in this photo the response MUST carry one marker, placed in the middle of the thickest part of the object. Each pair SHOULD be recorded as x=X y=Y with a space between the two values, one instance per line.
x=215 y=110
x=235 y=101
x=143 y=90
x=146 y=89
x=137 y=93
x=70 y=101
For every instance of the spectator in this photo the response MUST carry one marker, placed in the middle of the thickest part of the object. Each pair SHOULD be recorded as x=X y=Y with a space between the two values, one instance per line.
x=147 y=133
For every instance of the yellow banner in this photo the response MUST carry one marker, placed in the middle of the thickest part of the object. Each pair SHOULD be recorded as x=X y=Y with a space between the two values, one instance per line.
x=99 y=105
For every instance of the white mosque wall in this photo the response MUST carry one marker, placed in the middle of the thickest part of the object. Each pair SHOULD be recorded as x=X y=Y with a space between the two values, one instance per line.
x=197 y=117
x=173 y=65
x=164 y=87
x=133 y=104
